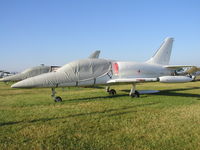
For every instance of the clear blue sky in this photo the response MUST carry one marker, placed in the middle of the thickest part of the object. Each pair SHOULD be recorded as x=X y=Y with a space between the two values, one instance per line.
x=55 y=32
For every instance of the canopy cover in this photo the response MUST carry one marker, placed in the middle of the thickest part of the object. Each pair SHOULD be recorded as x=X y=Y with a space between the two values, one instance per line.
x=85 y=69
x=71 y=74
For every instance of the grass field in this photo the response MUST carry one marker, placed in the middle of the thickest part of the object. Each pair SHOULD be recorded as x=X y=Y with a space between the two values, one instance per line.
x=90 y=119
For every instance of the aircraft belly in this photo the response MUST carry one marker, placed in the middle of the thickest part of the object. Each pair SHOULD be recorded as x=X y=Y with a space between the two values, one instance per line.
x=67 y=84
x=86 y=83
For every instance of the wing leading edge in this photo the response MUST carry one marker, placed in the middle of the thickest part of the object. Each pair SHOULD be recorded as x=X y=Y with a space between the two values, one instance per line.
x=131 y=80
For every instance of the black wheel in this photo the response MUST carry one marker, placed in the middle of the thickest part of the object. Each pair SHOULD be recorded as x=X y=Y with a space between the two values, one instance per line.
x=58 y=99
x=112 y=92
x=135 y=95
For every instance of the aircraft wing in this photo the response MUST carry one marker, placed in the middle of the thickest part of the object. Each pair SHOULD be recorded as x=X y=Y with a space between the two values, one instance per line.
x=131 y=80
x=175 y=67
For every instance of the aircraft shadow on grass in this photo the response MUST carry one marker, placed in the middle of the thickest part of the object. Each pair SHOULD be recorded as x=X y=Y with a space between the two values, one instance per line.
x=170 y=92
x=173 y=92
x=112 y=112
x=15 y=94
x=94 y=98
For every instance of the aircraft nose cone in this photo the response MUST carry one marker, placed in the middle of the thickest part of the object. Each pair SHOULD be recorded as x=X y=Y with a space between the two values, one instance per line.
x=16 y=85
x=16 y=77
x=4 y=79
x=44 y=80
x=23 y=84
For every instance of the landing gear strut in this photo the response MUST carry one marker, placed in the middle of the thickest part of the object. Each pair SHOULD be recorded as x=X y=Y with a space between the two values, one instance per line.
x=53 y=95
x=134 y=93
x=111 y=91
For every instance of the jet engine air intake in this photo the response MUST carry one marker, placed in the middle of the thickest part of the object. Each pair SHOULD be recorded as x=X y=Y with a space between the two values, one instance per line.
x=115 y=68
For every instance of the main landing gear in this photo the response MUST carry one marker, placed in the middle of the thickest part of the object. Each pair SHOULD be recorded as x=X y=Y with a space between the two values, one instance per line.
x=53 y=95
x=111 y=91
x=133 y=93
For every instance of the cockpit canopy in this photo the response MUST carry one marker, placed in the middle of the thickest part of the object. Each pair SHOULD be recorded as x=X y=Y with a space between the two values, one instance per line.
x=86 y=69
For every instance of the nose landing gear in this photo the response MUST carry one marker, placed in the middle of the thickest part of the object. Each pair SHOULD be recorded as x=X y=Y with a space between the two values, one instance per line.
x=53 y=95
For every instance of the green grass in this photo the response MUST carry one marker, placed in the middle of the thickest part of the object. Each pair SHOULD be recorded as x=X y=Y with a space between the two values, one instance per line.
x=90 y=119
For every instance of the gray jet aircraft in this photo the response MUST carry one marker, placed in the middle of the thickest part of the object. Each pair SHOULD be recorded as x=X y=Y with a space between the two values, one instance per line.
x=31 y=72
x=5 y=74
x=88 y=72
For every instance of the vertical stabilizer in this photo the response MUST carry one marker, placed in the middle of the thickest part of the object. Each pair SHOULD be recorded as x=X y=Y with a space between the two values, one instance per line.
x=95 y=54
x=163 y=54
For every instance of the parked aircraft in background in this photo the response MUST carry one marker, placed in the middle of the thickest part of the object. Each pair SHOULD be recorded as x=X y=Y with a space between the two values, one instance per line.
x=31 y=72
x=197 y=73
x=5 y=74
x=34 y=71
x=89 y=72
x=1 y=73
x=193 y=72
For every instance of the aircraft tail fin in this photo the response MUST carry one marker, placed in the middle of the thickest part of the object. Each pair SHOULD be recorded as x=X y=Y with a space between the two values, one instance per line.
x=95 y=54
x=163 y=54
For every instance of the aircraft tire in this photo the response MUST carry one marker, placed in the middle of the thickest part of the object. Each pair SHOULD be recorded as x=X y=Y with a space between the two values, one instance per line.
x=135 y=95
x=58 y=99
x=112 y=92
